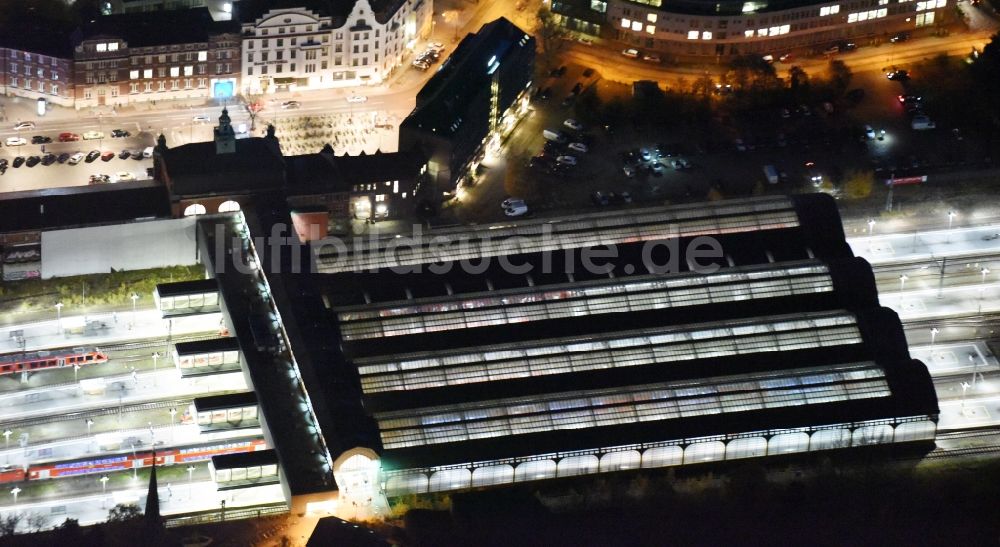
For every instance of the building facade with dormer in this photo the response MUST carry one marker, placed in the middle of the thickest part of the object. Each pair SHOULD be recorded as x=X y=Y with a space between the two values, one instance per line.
x=133 y=58
x=338 y=44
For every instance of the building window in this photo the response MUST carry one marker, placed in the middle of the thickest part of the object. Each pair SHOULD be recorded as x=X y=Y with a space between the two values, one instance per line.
x=249 y=71
x=133 y=75
x=113 y=46
x=202 y=55
x=147 y=73
x=692 y=35
x=175 y=71
x=162 y=72
x=133 y=88
x=188 y=70
x=55 y=89
x=163 y=85
x=149 y=87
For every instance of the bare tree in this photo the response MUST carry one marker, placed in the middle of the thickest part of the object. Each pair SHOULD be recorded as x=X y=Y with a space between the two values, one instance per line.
x=37 y=521
x=9 y=524
x=550 y=34
x=255 y=104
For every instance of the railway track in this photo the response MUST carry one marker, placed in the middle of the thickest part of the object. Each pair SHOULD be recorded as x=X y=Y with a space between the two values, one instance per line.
x=960 y=452
x=84 y=414
x=146 y=344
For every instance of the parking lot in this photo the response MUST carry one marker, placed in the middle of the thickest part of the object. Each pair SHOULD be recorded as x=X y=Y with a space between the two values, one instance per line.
x=723 y=157
x=118 y=167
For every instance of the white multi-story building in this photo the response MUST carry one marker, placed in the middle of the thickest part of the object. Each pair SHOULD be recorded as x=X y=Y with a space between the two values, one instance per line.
x=301 y=48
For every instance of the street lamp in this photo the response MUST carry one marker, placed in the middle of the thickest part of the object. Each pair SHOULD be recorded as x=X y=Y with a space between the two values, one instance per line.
x=934 y=332
x=104 y=490
x=15 y=491
x=982 y=287
x=134 y=297
x=173 y=412
x=156 y=357
x=951 y=218
x=871 y=230
x=59 y=306
x=6 y=439
x=902 y=283
x=190 y=470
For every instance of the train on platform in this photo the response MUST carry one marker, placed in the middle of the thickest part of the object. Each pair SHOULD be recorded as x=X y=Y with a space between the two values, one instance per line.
x=33 y=361
x=123 y=462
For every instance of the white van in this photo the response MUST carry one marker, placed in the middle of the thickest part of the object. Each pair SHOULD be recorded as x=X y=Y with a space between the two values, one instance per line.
x=147 y=152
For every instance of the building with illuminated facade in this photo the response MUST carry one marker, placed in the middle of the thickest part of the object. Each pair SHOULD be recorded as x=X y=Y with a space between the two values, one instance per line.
x=472 y=102
x=334 y=44
x=696 y=28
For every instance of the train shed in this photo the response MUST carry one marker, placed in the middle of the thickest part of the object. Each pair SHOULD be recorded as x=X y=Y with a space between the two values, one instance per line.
x=187 y=298
x=212 y=356
x=227 y=411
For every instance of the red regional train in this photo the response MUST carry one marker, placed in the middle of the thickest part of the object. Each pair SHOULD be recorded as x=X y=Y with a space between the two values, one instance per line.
x=121 y=462
x=11 y=363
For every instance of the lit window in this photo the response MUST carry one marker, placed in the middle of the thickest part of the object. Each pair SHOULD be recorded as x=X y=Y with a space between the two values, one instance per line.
x=113 y=46
x=651 y=29
x=852 y=18
x=824 y=11
x=133 y=75
x=836 y=9
x=785 y=29
x=773 y=31
x=762 y=32
x=102 y=47
x=706 y=35
x=148 y=73
x=882 y=12
x=175 y=71
x=651 y=18
x=188 y=70
x=626 y=23
x=202 y=55
x=748 y=33
x=942 y=3
x=692 y=35
x=637 y=26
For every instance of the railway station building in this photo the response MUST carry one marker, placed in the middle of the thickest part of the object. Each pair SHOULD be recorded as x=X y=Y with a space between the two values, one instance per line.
x=450 y=378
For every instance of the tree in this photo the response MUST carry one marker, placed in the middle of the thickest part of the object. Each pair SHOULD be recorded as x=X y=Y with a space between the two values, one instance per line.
x=549 y=33
x=839 y=76
x=798 y=81
x=751 y=71
x=36 y=521
x=703 y=85
x=124 y=513
x=255 y=104
x=858 y=184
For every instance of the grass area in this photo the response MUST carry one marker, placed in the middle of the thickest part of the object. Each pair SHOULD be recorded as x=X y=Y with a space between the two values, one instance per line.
x=109 y=290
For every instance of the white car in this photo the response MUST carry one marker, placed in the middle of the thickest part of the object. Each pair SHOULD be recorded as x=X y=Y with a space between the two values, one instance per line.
x=357 y=99
x=16 y=141
x=511 y=202
x=680 y=163
x=24 y=125
x=516 y=210
x=93 y=135
x=437 y=46
x=578 y=147
x=201 y=118
x=124 y=176
x=573 y=124
x=76 y=158
x=566 y=160
x=869 y=132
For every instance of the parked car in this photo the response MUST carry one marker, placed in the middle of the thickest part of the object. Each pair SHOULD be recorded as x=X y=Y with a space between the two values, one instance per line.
x=921 y=122
x=666 y=150
x=631 y=53
x=92 y=155
x=18 y=161
x=599 y=199
x=3 y=164
x=124 y=154
x=578 y=147
x=15 y=141
x=629 y=172
x=124 y=176
x=437 y=46
x=93 y=135
x=77 y=158
x=39 y=139
x=899 y=37
x=516 y=209
x=588 y=72
x=357 y=99
x=680 y=163
x=33 y=161
x=63 y=157
x=68 y=137
x=869 y=132
x=120 y=133
x=107 y=156
x=21 y=126
x=785 y=58
x=100 y=179
x=566 y=160
x=645 y=155
x=651 y=58
x=510 y=202
x=135 y=154
x=48 y=159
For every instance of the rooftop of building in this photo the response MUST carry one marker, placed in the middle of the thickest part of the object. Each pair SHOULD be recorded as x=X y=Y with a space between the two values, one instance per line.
x=444 y=99
x=75 y=206
x=251 y=10
x=725 y=8
x=145 y=29
x=325 y=172
x=197 y=169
